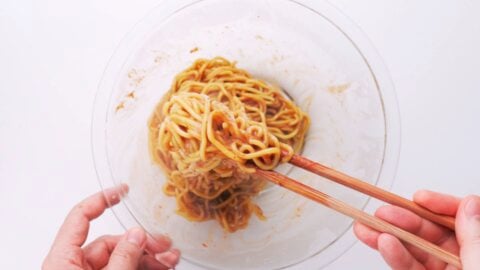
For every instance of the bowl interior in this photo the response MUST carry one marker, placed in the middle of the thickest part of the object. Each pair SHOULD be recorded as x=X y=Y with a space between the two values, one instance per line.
x=287 y=43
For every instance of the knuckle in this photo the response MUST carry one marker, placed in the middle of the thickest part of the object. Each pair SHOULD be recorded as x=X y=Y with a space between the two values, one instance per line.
x=74 y=257
x=124 y=253
x=79 y=207
x=122 y=256
x=62 y=259
x=474 y=242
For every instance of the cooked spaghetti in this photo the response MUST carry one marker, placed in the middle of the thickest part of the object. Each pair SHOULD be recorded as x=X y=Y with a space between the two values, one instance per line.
x=209 y=133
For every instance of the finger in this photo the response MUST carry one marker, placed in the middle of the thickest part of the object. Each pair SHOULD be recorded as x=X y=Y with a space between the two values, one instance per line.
x=365 y=234
x=169 y=258
x=412 y=223
x=74 y=230
x=395 y=254
x=423 y=228
x=150 y=263
x=437 y=202
x=158 y=243
x=370 y=238
x=468 y=231
x=98 y=252
x=129 y=251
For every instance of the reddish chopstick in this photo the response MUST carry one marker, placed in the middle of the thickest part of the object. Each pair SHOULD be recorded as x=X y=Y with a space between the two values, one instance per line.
x=371 y=190
x=357 y=214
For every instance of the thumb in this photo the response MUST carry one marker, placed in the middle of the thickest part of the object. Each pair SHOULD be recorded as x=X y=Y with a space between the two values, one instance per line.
x=129 y=251
x=467 y=228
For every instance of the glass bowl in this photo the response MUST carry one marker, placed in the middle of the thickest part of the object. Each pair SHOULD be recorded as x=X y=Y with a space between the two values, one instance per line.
x=314 y=53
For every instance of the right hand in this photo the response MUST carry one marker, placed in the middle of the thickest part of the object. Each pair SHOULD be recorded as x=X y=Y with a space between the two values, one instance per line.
x=401 y=256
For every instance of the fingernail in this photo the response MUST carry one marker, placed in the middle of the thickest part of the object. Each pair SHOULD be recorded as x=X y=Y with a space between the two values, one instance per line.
x=472 y=207
x=164 y=238
x=166 y=257
x=136 y=236
x=175 y=251
x=161 y=258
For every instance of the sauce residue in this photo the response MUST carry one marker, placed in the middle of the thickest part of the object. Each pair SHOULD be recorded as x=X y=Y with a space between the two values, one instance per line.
x=120 y=106
x=298 y=212
x=338 y=89
x=131 y=95
x=136 y=75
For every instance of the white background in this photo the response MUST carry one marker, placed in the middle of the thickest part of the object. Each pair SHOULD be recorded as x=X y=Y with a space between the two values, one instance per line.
x=53 y=52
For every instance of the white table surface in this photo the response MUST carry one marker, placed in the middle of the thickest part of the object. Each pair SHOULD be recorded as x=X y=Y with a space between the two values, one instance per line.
x=53 y=52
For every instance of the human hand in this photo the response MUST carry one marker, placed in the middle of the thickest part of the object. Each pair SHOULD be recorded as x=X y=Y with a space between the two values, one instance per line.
x=402 y=256
x=118 y=252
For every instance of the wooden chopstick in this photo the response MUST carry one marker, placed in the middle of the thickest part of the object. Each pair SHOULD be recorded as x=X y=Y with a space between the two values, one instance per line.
x=357 y=214
x=371 y=190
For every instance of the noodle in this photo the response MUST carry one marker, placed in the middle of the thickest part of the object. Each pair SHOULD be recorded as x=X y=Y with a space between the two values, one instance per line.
x=210 y=131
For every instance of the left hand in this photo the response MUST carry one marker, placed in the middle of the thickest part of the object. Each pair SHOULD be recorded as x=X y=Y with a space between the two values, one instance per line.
x=119 y=252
